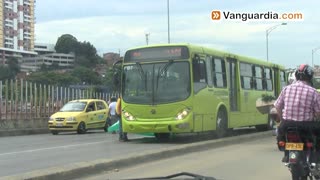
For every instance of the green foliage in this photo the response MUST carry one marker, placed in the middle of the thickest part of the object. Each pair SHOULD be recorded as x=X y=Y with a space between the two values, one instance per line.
x=267 y=97
x=11 y=70
x=4 y=72
x=13 y=65
x=85 y=52
x=86 y=59
x=66 y=44
x=316 y=82
x=108 y=79
x=53 y=78
x=86 y=75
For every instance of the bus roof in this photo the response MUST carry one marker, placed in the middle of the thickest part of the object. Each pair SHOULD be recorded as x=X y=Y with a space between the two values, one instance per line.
x=202 y=49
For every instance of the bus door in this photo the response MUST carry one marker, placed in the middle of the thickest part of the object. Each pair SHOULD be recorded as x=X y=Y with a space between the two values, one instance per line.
x=233 y=85
x=201 y=104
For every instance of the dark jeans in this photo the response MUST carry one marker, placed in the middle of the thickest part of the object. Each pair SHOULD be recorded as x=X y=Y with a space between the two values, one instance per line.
x=113 y=119
x=122 y=135
x=302 y=125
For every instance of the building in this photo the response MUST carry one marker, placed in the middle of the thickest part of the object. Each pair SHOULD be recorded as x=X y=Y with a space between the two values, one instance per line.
x=16 y=29
x=48 y=56
x=31 y=64
x=111 y=58
x=316 y=69
x=42 y=48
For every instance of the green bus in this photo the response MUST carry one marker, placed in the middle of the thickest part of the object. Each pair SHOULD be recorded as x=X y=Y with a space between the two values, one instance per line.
x=185 y=88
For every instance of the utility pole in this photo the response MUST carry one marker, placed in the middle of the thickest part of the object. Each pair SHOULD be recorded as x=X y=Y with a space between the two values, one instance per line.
x=168 y=22
x=147 y=38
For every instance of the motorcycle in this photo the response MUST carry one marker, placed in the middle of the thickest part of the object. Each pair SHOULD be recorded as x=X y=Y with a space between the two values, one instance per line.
x=301 y=148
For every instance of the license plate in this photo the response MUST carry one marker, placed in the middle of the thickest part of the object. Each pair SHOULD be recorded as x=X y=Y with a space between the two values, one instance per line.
x=59 y=124
x=294 y=146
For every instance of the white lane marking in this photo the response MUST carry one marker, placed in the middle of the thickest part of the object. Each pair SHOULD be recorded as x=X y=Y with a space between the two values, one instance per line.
x=50 y=148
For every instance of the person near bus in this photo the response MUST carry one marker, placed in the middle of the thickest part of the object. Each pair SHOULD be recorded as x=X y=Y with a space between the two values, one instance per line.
x=122 y=135
x=298 y=104
x=112 y=111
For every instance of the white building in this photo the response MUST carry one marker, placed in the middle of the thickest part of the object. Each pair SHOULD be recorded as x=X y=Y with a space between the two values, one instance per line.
x=29 y=64
x=16 y=29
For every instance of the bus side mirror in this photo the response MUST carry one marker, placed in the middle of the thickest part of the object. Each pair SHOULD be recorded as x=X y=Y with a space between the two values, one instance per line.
x=116 y=79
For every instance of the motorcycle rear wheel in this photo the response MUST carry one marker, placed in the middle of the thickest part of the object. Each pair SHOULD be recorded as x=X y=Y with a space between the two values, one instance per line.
x=295 y=173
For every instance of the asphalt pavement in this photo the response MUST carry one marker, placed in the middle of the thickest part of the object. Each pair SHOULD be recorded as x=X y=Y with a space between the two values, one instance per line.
x=252 y=160
x=70 y=155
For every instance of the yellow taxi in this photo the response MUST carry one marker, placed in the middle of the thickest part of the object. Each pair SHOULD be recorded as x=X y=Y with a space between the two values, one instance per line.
x=80 y=115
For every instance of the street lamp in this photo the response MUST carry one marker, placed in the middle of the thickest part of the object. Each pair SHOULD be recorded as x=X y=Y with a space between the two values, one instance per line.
x=147 y=38
x=313 y=51
x=268 y=31
x=168 y=22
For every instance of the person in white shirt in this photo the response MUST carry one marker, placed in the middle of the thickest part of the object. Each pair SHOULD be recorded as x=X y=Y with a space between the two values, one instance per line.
x=112 y=111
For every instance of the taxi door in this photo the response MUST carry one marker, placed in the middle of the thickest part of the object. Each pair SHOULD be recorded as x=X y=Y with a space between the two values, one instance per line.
x=91 y=115
x=101 y=114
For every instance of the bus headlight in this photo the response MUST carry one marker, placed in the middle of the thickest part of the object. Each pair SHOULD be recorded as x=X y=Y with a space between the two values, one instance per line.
x=128 y=116
x=181 y=115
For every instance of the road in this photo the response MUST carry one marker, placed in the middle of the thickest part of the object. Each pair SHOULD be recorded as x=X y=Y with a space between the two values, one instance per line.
x=254 y=160
x=23 y=154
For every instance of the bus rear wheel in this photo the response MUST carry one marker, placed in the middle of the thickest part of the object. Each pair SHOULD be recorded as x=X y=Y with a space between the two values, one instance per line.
x=222 y=124
x=162 y=136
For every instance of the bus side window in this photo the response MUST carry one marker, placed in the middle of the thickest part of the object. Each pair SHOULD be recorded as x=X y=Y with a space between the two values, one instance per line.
x=219 y=73
x=268 y=79
x=199 y=71
x=199 y=74
x=246 y=74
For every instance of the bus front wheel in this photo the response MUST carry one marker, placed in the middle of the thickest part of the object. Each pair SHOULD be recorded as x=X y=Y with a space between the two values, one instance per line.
x=222 y=124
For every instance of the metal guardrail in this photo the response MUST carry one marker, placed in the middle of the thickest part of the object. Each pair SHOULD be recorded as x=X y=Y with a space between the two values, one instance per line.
x=21 y=99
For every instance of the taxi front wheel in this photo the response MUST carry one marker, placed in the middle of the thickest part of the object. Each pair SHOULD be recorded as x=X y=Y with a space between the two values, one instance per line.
x=81 y=128
x=55 y=132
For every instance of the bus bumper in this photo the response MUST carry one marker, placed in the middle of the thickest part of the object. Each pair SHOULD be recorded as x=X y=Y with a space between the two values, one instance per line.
x=156 y=127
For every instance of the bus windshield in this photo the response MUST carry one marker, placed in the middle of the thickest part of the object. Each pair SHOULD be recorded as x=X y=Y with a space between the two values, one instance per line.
x=156 y=83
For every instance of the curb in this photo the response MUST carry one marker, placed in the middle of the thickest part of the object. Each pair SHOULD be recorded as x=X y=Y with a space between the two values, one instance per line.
x=19 y=132
x=83 y=169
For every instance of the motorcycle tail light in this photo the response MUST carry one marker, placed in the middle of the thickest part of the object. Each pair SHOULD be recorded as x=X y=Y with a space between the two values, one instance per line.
x=282 y=143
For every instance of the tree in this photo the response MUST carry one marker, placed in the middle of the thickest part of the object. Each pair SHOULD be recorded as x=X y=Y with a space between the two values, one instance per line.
x=86 y=54
x=66 y=44
x=86 y=75
x=11 y=70
x=53 y=78
x=4 y=72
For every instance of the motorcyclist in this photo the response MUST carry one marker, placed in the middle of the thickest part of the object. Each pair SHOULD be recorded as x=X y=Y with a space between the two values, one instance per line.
x=298 y=104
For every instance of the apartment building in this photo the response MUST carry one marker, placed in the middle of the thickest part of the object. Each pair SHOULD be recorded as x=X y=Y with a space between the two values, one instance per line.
x=17 y=21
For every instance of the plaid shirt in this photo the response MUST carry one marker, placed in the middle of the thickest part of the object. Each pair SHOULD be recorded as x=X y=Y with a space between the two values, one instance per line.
x=298 y=102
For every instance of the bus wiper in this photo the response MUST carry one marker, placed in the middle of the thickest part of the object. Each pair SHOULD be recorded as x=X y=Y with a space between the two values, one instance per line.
x=142 y=74
x=140 y=69
x=163 y=71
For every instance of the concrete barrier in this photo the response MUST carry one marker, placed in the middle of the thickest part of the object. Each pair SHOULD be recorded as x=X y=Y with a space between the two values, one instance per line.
x=14 y=127
x=81 y=169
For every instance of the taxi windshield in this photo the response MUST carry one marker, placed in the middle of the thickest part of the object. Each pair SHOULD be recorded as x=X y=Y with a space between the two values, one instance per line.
x=73 y=107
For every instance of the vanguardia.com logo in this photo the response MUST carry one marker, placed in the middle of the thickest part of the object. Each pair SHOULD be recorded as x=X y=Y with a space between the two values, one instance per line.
x=244 y=16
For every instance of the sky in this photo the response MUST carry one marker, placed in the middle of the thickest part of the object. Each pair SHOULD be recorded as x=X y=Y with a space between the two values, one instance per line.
x=115 y=26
